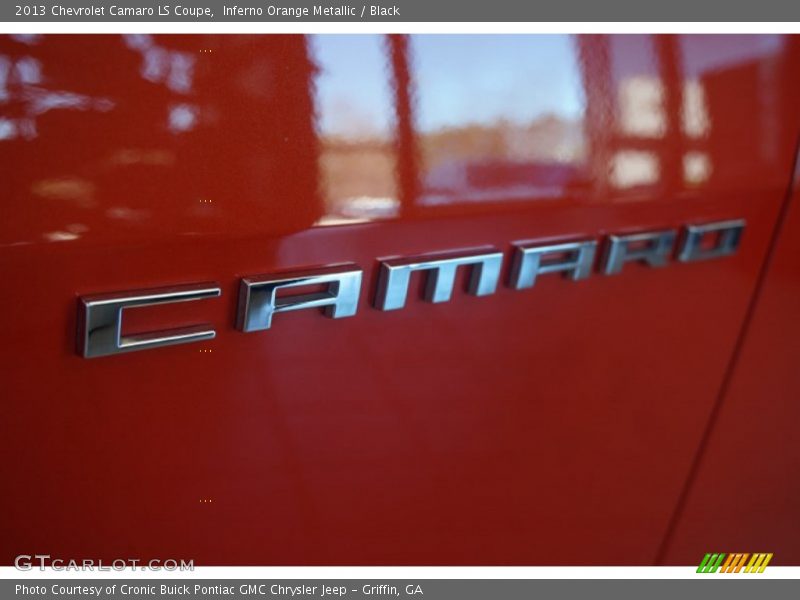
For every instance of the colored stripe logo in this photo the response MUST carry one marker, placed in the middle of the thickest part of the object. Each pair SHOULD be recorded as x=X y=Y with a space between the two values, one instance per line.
x=734 y=563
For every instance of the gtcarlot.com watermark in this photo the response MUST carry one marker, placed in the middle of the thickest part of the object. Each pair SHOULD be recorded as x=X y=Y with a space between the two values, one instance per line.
x=28 y=562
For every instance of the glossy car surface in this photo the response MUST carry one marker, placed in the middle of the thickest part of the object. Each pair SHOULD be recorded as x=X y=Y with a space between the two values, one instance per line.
x=592 y=422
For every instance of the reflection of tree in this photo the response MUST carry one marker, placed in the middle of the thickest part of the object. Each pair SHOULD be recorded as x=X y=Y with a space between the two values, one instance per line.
x=504 y=160
x=549 y=138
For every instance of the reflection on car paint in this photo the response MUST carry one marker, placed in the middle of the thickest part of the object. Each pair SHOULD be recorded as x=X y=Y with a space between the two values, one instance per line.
x=350 y=129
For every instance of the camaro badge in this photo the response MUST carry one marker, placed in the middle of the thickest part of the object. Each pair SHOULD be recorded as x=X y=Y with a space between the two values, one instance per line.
x=100 y=315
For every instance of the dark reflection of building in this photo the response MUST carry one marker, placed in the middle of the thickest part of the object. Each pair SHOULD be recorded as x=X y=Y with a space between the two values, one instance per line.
x=208 y=133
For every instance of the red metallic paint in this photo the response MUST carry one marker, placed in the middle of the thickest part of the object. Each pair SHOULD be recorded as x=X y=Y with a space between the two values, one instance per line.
x=745 y=490
x=552 y=426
